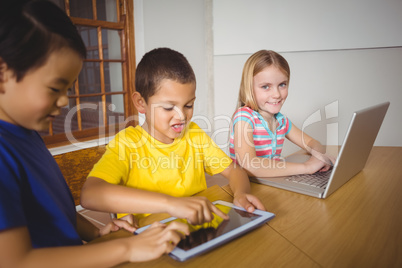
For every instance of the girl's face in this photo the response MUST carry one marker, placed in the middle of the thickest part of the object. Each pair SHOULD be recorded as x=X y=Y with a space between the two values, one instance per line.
x=169 y=110
x=35 y=101
x=270 y=88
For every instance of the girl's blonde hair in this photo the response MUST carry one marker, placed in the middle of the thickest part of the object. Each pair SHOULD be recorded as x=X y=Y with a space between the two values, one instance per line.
x=255 y=64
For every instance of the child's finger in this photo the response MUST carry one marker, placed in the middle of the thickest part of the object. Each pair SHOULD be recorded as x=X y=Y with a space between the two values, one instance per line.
x=256 y=202
x=124 y=224
x=244 y=203
x=130 y=219
x=218 y=212
x=156 y=224
x=172 y=236
x=106 y=229
x=180 y=227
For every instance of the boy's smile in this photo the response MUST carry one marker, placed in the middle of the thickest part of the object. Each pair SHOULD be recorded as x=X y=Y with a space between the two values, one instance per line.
x=169 y=110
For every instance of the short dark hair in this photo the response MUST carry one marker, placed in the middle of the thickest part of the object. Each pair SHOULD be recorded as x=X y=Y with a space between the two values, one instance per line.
x=159 y=64
x=31 y=30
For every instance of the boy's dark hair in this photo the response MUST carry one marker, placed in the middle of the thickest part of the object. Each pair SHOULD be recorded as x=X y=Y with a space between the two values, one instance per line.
x=31 y=30
x=159 y=64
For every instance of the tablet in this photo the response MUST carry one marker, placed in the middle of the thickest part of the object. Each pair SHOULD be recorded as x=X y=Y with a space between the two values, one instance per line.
x=209 y=235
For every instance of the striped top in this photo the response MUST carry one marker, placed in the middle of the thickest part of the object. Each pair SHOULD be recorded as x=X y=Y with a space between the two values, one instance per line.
x=267 y=144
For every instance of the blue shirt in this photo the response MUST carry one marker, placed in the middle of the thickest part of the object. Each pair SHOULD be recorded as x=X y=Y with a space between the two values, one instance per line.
x=33 y=192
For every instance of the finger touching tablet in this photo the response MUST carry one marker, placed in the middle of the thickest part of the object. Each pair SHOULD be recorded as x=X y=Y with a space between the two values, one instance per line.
x=219 y=231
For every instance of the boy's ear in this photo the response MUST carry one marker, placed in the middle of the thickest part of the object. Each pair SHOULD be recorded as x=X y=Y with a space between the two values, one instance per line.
x=139 y=102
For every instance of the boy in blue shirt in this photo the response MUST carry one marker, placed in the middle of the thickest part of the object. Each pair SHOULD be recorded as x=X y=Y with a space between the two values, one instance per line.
x=41 y=55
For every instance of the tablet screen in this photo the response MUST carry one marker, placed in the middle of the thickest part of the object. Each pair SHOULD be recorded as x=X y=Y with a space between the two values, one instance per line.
x=208 y=231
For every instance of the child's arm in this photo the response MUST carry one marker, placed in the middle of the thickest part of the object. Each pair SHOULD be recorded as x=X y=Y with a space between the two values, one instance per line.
x=264 y=167
x=100 y=195
x=152 y=243
x=240 y=185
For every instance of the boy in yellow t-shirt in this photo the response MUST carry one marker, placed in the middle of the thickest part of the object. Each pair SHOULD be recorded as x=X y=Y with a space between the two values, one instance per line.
x=158 y=166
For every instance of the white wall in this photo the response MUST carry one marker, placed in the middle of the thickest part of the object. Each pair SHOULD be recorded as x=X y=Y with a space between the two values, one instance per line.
x=344 y=53
x=180 y=25
x=292 y=25
x=352 y=77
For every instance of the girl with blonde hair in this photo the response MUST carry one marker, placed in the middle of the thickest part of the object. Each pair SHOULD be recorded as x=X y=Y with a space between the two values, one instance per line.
x=258 y=128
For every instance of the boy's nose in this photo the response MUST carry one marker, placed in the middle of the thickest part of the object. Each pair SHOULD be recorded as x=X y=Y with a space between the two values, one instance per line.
x=62 y=101
x=179 y=113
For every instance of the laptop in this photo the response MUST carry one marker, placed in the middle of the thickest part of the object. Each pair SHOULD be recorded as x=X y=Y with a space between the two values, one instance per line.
x=352 y=158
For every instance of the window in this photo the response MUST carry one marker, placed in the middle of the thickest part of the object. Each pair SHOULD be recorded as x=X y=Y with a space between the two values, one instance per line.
x=99 y=102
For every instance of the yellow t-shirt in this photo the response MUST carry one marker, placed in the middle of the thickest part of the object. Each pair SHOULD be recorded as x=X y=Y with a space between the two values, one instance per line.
x=135 y=159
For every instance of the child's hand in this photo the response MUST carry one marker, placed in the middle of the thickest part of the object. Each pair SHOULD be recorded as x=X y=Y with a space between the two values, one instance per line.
x=128 y=222
x=157 y=240
x=196 y=210
x=248 y=202
x=314 y=165
x=329 y=162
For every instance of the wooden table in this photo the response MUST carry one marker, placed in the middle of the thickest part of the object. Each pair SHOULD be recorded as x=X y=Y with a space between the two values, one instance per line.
x=359 y=225
x=261 y=247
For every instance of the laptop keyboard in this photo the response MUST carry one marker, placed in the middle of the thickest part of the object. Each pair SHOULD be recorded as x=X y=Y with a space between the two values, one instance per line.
x=318 y=179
